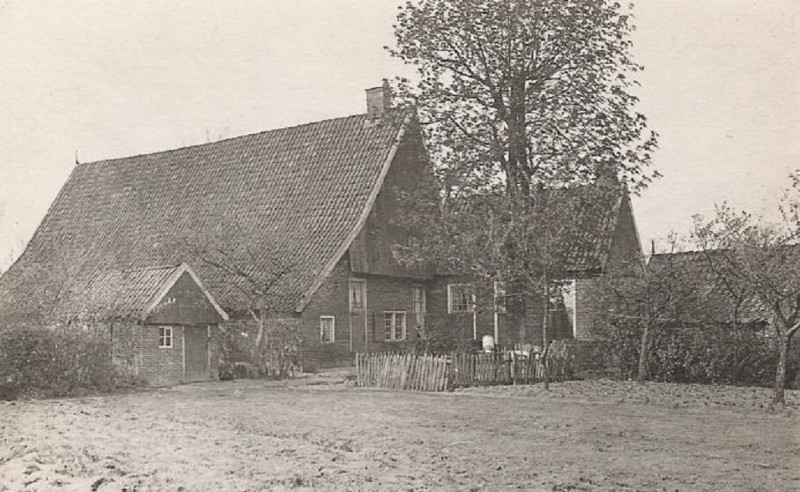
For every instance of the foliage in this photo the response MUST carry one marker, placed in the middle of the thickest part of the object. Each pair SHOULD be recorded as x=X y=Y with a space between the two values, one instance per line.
x=523 y=104
x=55 y=361
x=443 y=336
x=279 y=355
x=530 y=91
x=714 y=353
x=761 y=261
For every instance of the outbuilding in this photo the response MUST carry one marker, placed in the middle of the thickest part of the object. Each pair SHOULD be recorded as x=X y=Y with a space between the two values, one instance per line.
x=164 y=324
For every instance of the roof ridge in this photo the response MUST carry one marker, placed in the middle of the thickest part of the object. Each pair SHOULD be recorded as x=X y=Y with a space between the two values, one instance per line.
x=686 y=253
x=140 y=269
x=398 y=110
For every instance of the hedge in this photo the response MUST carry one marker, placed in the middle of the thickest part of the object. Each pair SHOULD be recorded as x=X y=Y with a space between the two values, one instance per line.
x=706 y=354
x=52 y=362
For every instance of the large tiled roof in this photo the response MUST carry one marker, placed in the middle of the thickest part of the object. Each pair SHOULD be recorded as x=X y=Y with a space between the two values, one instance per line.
x=124 y=294
x=305 y=188
x=117 y=293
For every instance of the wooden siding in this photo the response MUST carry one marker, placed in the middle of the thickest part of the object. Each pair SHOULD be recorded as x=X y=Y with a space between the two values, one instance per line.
x=184 y=304
x=371 y=251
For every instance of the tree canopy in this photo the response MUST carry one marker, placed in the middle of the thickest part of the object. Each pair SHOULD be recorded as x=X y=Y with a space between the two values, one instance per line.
x=519 y=93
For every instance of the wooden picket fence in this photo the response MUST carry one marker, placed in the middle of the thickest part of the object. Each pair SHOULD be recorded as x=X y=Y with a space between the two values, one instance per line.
x=504 y=368
x=403 y=372
x=438 y=373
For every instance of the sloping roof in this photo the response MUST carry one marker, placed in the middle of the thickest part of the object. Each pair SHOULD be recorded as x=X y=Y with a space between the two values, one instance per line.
x=128 y=294
x=596 y=220
x=308 y=188
x=713 y=296
x=586 y=219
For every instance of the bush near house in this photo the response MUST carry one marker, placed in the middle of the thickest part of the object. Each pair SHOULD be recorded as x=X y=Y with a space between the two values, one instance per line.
x=279 y=356
x=53 y=362
x=706 y=354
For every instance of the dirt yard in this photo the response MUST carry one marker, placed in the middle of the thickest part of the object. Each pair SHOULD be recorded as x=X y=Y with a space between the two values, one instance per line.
x=314 y=434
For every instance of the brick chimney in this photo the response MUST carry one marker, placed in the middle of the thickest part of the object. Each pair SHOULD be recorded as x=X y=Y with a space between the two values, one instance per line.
x=379 y=100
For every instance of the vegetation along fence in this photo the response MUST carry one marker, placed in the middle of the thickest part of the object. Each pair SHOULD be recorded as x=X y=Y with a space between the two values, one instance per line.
x=438 y=373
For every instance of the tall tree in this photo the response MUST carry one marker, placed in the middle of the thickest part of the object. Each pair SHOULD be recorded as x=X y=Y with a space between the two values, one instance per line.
x=520 y=99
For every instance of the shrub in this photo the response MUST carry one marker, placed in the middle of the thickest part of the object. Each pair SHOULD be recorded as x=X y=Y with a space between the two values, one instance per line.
x=706 y=354
x=50 y=362
x=280 y=354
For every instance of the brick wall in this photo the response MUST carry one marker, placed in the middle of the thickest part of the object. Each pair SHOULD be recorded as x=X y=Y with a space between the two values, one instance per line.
x=136 y=351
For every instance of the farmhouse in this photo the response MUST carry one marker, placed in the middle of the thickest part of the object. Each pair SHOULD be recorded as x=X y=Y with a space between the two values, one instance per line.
x=166 y=249
x=163 y=321
x=323 y=197
x=607 y=239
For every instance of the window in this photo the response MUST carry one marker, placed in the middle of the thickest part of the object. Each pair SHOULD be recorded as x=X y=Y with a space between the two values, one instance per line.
x=500 y=304
x=418 y=305
x=165 y=337
x=460 y=298
x=395 y=325
x=327 y=329
x=358 y=294
x=568 y=291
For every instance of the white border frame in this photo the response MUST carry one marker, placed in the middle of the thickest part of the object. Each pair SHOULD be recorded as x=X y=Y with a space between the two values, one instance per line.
x=394 y=326
x=333 y=328
x=171 y=337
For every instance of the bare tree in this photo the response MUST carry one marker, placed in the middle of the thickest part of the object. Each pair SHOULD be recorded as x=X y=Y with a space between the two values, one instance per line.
x=644 y=299
x=761 y=261
x=257 y=271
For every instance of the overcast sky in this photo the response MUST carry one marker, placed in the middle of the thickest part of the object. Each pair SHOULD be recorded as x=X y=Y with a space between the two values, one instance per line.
x=111 y=78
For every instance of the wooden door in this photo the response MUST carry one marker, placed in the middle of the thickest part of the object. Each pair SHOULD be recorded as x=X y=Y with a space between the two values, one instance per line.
x=195 y=344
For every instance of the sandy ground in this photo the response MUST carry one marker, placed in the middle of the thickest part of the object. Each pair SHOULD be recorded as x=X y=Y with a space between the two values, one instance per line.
x=314 y=434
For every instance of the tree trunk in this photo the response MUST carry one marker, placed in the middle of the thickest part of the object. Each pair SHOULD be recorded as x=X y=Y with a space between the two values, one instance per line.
x=641 y=374
x=780 y=373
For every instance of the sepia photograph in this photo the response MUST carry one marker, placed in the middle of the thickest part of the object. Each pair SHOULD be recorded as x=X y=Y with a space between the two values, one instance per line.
x=399 y=245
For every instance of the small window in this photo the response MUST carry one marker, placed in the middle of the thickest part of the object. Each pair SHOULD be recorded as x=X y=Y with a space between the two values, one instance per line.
x=395 y=325
x=327 y=329
x=165 y=337
x=460 y=298
x=358 y=294
x=500 y=304
x=418 y=305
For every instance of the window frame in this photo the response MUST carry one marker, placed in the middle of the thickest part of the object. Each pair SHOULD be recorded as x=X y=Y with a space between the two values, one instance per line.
x=394 y=316
x=166 y=334
x=322 y=329
x=419 y=314
x=468 y=289
x=363 y=283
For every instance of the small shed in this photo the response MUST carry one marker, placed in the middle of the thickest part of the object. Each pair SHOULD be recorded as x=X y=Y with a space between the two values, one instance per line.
x=163 y=322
